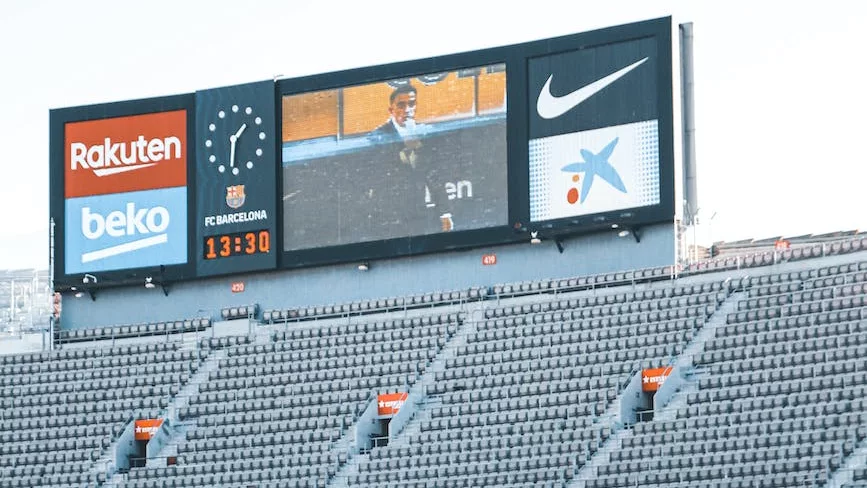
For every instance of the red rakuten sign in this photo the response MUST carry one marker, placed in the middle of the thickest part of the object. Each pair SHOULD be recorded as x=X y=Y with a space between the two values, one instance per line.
x=124 y=154
x=390 y=403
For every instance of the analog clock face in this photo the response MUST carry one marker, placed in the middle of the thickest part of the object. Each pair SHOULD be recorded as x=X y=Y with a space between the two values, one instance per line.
x=235 y=140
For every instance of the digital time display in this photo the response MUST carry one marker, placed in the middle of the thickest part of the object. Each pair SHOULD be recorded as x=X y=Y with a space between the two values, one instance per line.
x=237 y=244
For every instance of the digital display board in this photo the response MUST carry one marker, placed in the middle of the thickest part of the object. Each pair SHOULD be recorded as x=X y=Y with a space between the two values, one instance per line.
x=558 y=136
x=399 y=158
x=236 y=171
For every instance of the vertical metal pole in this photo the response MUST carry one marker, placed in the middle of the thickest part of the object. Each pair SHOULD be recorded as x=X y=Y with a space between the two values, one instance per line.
x=687 y=110
x=12 y=301
x=51 y=317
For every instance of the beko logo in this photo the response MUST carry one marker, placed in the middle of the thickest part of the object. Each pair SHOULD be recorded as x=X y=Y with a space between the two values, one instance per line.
x=118 y=157
x=550 y=107
x=149 y=223
x=126 y=230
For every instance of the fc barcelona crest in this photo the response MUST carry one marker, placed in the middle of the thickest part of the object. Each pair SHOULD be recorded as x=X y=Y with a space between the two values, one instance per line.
x=235 y=196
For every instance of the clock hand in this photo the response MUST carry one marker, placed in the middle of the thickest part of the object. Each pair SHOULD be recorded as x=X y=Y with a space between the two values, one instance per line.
x=240 y=131
x=232 y=151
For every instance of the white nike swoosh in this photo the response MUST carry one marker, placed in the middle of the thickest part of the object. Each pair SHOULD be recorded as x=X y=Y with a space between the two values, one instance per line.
x=121 y=169
x=550 y=107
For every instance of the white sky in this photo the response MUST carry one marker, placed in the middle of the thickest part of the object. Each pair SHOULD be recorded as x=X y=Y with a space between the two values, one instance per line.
x=781 y=87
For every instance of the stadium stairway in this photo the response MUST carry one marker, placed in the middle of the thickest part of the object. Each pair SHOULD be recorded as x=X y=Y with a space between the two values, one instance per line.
x=687 y=361
x=683 y=363
x=106 y=463
x=845 y=476
x=104 y=467
x=182 y=399
x=531 y=394
x=256 y=406
x=781 y=399
x=417 y=395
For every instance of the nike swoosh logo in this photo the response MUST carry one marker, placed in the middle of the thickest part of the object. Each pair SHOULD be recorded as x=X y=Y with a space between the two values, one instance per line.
x=550 y=107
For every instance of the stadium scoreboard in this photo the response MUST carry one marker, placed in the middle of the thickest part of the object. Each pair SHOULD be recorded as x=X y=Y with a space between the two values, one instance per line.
x=561 y=136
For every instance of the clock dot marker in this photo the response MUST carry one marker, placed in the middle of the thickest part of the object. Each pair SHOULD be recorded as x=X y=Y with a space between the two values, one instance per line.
x=221 y=114
x=212 y=159
x=234 y=171
x=234 y=108
x=259 y=151
x=221 y=168
x=249 y=164
x=262 y=136
x=258 y=120
x=212 y=127
x=248 y=110
x=208 y=143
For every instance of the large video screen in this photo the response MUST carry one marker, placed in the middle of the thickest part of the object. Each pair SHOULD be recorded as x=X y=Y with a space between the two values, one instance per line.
x=398 y=158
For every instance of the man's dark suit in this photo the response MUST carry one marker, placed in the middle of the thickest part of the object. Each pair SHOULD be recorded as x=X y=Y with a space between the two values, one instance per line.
x=408 y=164
x=385 y=132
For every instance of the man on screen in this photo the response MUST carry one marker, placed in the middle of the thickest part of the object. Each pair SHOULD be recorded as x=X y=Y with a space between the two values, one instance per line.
x=401 y=123
x=401 y=109
x=401 y=127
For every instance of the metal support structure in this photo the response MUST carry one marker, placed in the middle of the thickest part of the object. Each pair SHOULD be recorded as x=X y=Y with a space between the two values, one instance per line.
x=51 y=314
x=687 y=110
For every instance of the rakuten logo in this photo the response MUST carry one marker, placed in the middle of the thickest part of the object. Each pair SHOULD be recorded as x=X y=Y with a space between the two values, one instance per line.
x=125 y=154
x=133 y=222
x=118 y=157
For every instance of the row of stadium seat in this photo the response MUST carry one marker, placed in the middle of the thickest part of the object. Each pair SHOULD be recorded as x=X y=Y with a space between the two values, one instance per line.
x=102 y=350
x=408 y=323
x=136 y=330
x=243 y=312
x=825 y=293
x=766 y=258
x=379 y=305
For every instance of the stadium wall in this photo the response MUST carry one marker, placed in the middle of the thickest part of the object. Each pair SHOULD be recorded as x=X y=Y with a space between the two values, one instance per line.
x=583 y=255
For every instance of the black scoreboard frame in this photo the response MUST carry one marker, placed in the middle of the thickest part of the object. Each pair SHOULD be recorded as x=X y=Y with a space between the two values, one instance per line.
x=519 y=103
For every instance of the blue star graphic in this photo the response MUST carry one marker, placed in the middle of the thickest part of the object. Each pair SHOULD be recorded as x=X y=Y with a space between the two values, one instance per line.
x=596 y=164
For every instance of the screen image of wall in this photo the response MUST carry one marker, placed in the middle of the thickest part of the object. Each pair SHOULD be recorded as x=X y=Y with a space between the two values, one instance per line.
x=398 y=158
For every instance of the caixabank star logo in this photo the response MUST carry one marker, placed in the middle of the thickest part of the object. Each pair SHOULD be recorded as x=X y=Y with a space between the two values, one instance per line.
x=593 y=165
